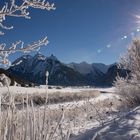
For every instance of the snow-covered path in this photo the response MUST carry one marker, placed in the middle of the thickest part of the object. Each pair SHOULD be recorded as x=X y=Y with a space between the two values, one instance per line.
x=127 y=127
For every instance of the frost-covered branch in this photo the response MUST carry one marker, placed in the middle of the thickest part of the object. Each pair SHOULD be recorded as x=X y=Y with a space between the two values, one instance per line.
x=19 y=47
x=21 y=10
x=15 y=8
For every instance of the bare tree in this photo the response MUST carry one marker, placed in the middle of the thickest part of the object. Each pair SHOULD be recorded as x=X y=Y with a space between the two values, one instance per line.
x=13 y=9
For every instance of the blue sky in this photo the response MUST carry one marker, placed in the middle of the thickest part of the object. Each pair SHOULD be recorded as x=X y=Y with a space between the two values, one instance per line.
x=80 y=30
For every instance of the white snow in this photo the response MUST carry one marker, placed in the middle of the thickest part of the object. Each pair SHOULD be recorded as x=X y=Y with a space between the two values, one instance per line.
x=126 y=127
x=17 y=63
x=74 y=104
x=106 y=90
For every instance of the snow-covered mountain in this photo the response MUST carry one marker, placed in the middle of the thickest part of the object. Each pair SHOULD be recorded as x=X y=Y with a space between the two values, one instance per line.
x=113 y=72
x=32 y=69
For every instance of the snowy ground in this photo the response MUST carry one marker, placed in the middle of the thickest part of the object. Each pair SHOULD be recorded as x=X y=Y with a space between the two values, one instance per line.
x=92 y=119
x=100 y=98
x=126 y=127
x=105 y=93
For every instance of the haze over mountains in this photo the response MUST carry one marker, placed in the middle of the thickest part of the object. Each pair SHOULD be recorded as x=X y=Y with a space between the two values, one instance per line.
x=85 y=68
x=32 y=69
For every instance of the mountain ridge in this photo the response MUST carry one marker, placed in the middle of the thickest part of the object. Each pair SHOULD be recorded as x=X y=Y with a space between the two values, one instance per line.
x=33 y=69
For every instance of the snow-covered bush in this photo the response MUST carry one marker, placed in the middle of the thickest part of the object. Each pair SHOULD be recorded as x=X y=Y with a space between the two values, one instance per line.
x=129 y=93
x=129 y=87
x=6 y=81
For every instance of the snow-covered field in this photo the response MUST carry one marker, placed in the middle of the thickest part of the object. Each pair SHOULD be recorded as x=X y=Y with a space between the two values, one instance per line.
x=100 y=94
x=43 y=89
x=95 y=118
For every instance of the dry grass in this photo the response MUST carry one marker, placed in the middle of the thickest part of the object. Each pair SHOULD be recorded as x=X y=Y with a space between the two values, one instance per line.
x=52 y=98
x=57 y=123
x=50 y=123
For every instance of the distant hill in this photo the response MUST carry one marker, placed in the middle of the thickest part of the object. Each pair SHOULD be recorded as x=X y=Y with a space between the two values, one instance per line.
x=94 y=72
x=14 y=78
x=112 y=73
x=85 y=68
